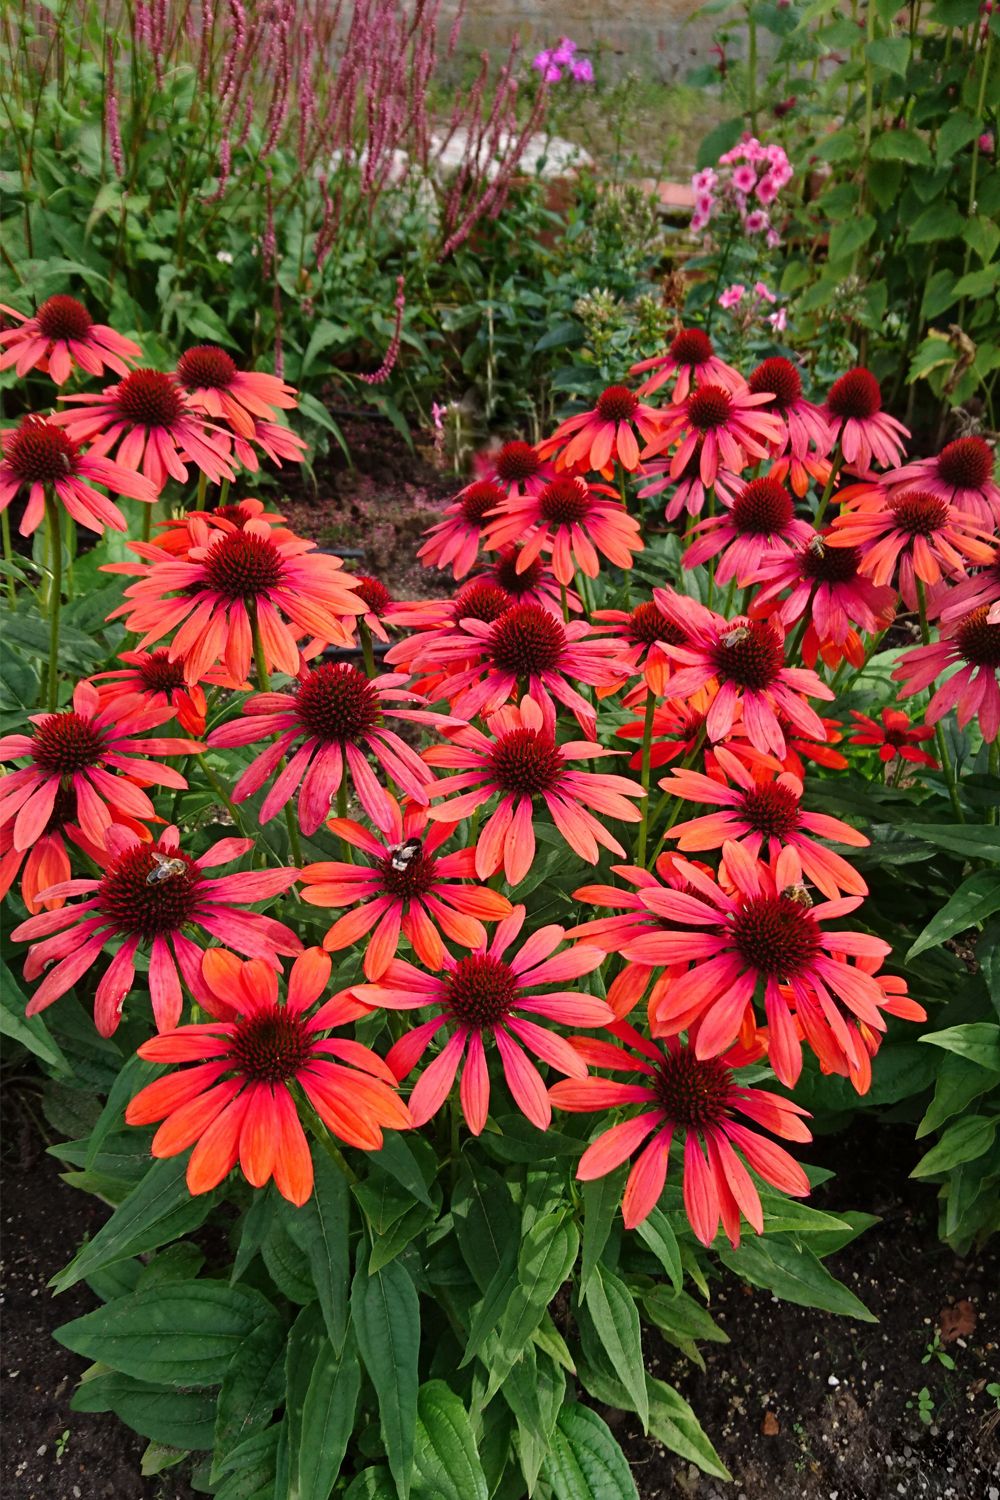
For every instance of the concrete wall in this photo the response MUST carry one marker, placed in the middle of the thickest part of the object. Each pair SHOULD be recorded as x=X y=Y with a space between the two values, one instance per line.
x=656 y=38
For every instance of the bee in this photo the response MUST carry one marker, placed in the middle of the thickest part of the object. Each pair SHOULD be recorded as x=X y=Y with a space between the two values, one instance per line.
x=64 y=460
x=798 y=894
x=817 y=546
x=741 y=633
x=164 y=868
x=403 y=854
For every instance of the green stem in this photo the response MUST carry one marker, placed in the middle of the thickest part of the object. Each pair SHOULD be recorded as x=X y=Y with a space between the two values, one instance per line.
x=8 y=557
x=367 y=650
x=974 y=170
x=53 y=521
x=565 y=602
x=752 y=67
x=686 y=765
x=199 y=503
x=838 y=459
x=147 y=522
x=264 y=682
x=942 y=743
x=993 y=815
x=647 y=746
x=223 y=493
x=795 y=644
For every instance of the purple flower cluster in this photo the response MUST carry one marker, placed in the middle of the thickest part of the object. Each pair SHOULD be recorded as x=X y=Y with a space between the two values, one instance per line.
x=745 y=180
x=554 y=60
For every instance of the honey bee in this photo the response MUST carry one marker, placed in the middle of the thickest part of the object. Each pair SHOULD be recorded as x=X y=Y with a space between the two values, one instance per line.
x=817 y=546
x=741 y=633
x=164 y=868
x=403 y=854
x=798 y=894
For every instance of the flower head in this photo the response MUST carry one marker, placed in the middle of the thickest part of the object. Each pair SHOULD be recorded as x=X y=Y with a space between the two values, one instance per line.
x=241 y=398
x=826 y=584
x=855 y=418
x=753 y=927
x=98 y=751
x=332 y=719
x=150 y=894
x=972 y=643
x=690 y=494
x=690 y=360
x=572 y=520
x=521 y=763
x=484 y=995
x=39 y=454
x=158 y=681
x=646 y=630
x=731 y=431
x=696 y=1099
x=759 y=524
x=455 y=541
x=962 y=474
x=227 y=582
x=607 y=434
x=807 y=442
x=534 y=583
x=911 y=536
x=403 y=885
x=62 y=335
x=46 y=861
x=894 y=737
x=236 y=1104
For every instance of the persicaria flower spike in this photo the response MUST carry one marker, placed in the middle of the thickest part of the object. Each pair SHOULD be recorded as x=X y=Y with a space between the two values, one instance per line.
x=39 y=455
x=692 y=1099
x=62 y=335
x=151 y=894
x=485 y=995
x=402 y=885
x=237 y=1105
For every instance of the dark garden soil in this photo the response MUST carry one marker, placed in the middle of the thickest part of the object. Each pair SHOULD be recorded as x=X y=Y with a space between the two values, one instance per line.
x=801 y=1405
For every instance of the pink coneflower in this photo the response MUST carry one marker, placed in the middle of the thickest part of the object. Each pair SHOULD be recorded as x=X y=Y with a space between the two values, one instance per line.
x=823 y=1040
x=919 y=534
x=378 y=601
x=572 y=520
x=484 y=665
x=484 y=995
x=962 y=474
x=748 y=659
x=678 y=727
x=175 y=535
x=534 y=584
x=803 y=453
x=974 y=690
x=697 y=1099
x=230 y=581
x=727 y=424
x=98 y=752
x=517 y=468
x=520 y=762
x=693 y=360
x=455 y=542
x=154 y=426
x=980 y=588
x=239 y=397
x=758 y=524
x=894 y=737
x=605 y=435
x=403 y=886
x=236 y=1105
x=158 y=681
x=274 y=441
x=689 y=493
x=826 y=583
x=328 y=724
x=39 y=454
x=645 y=631
x=58 y=336
x=764 y=812
x=755 y=929
x=479 y=599
x=149 y=894
x=46 y=862
x=856 y=421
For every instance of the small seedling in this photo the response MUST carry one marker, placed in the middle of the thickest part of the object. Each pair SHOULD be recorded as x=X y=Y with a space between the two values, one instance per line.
x=936 y=1350
x=924 y=1404
x=62 y=1443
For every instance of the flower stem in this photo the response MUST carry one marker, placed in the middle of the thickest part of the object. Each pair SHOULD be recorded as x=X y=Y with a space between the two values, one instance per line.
x=8 y=557
x=942 y=743
x=993 y=815
x=147 y=522
x=264 y=682
x=565 y=602
x=795 y=645
x=686 y=765
x=53 y=522
x=367 y=650
x=647 y=745
x=345 y=847
x=838 y=459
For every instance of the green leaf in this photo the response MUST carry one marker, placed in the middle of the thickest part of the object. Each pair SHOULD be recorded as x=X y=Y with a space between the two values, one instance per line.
x=545 y=1259
x=680 y=1317
x=939 y=294
x=959 y=1081
x=983 y=234
x=901 y=145
x=673 y=1423
x=847 y=238
x=957 y=130
x=976 y=898
x=719 y=140
x=327 y=1421
x=659 y=1236
x=251 y=1387
x=445 y=1453
x=960 y=838
x=287 y=1263
x=982 y=283
x=891 y=53
x=979 y=1041
x=486 y=1221
x=371 y=1484
x=183 y=1334
x=181 y=1419
x=320 y=1228
x=601 y=1198
x=30 y=1031
x=966 y=1140
x=158 y=1209
x=884 y=178
x=251 y=1468
x=585 y=1462
x=941 y=221
x=616 y=1320
x=397 y=1158
x=386 y=1313
x=796 y=1275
